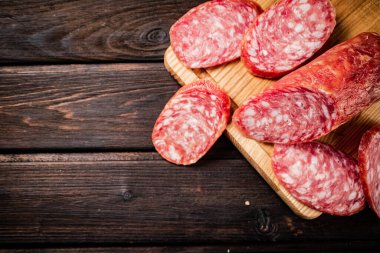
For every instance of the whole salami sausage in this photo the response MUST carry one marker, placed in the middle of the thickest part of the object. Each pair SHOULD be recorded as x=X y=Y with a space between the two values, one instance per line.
x=211 y=33
x=286 y=35
x=320 y=177
x=369 y=167
x=191 y=122
x=317 y=98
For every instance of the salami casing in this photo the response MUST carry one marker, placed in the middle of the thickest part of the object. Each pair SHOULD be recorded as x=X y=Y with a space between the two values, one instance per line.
x=318 y=97
x=211 y=33
x=369 y=167
x=286 y=35
x=320 y=177
x=191 y=122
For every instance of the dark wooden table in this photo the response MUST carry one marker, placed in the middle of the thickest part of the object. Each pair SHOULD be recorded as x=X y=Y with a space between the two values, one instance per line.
x=81 y=84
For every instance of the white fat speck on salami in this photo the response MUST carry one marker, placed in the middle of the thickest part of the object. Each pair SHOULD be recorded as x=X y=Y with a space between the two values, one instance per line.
x=191 y=122
x=286 y=35
x=369 y=167
x=319 y=176
x=211 y=33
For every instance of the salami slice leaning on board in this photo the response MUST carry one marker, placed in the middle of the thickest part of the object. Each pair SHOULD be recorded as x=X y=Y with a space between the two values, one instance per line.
x=286 y=35
x=318 y=97
x=191 y=122
x=369 y=166
x=211 y=33
x=320 y=177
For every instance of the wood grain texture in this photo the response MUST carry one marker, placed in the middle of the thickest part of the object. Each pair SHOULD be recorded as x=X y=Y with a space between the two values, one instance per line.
x=105 y=198
x=77 y=107
x=81 y=106
x=239 y=84
x=87 y=30
x=326 y=247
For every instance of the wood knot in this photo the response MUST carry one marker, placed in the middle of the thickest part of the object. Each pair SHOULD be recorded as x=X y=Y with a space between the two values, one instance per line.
x=264 y=226
x=128 y=196
x=157 y=36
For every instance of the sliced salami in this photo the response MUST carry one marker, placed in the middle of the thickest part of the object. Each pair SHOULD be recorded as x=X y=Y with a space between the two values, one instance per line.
x=317 y=98
x=369 y=167
x=319 y=176
x=286 y=35
x=211 y=33
x=191 y=122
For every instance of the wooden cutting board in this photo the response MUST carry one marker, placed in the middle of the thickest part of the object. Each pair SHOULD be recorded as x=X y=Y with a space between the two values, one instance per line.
x=353 y=17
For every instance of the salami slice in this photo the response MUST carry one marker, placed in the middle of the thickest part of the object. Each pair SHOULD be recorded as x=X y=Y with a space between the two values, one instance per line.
x=320 y=177
x=191 y=122
x=211 y=33
x=318 y=97
x=369 y=167
x=287 y=35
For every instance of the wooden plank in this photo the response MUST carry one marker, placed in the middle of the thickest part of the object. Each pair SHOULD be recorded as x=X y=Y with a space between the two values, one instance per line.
x=109 y=106
x=239 y=84
x=326 y=246
x=81 y=106
x=137 y=198
x=87 y=30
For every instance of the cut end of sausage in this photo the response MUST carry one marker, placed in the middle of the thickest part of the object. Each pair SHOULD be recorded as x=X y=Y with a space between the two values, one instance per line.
x=286 y=35
x=191 y=122
x=369 y=165
x=319 y=176
x=211 y=33
x=288 y=115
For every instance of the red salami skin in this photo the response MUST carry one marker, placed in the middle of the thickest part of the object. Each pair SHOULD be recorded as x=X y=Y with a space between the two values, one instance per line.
x=211 y=33
x=319 y=176
x=286 y=35
x=191 y=122
x=318 y=97
x=369 y=167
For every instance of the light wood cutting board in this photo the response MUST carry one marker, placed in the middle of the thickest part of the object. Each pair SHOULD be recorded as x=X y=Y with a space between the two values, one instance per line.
x=353 y=17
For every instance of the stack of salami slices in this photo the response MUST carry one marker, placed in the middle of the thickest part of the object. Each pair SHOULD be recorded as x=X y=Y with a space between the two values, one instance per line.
x=306 y=104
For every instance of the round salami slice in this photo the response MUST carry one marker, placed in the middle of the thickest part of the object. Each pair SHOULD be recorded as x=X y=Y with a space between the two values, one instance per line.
x=274 y=116
x=286 y=35
x=318 y=97
x=319 y=176
x=369 y=167
x=211 y=33
x=191 y=122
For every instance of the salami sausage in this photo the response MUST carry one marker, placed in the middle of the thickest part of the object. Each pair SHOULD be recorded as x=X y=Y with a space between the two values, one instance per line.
x=211 y=33
x=318 y=97
x=369 y=167
x=320 y=177
x=287 y=35
x=191 y=122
